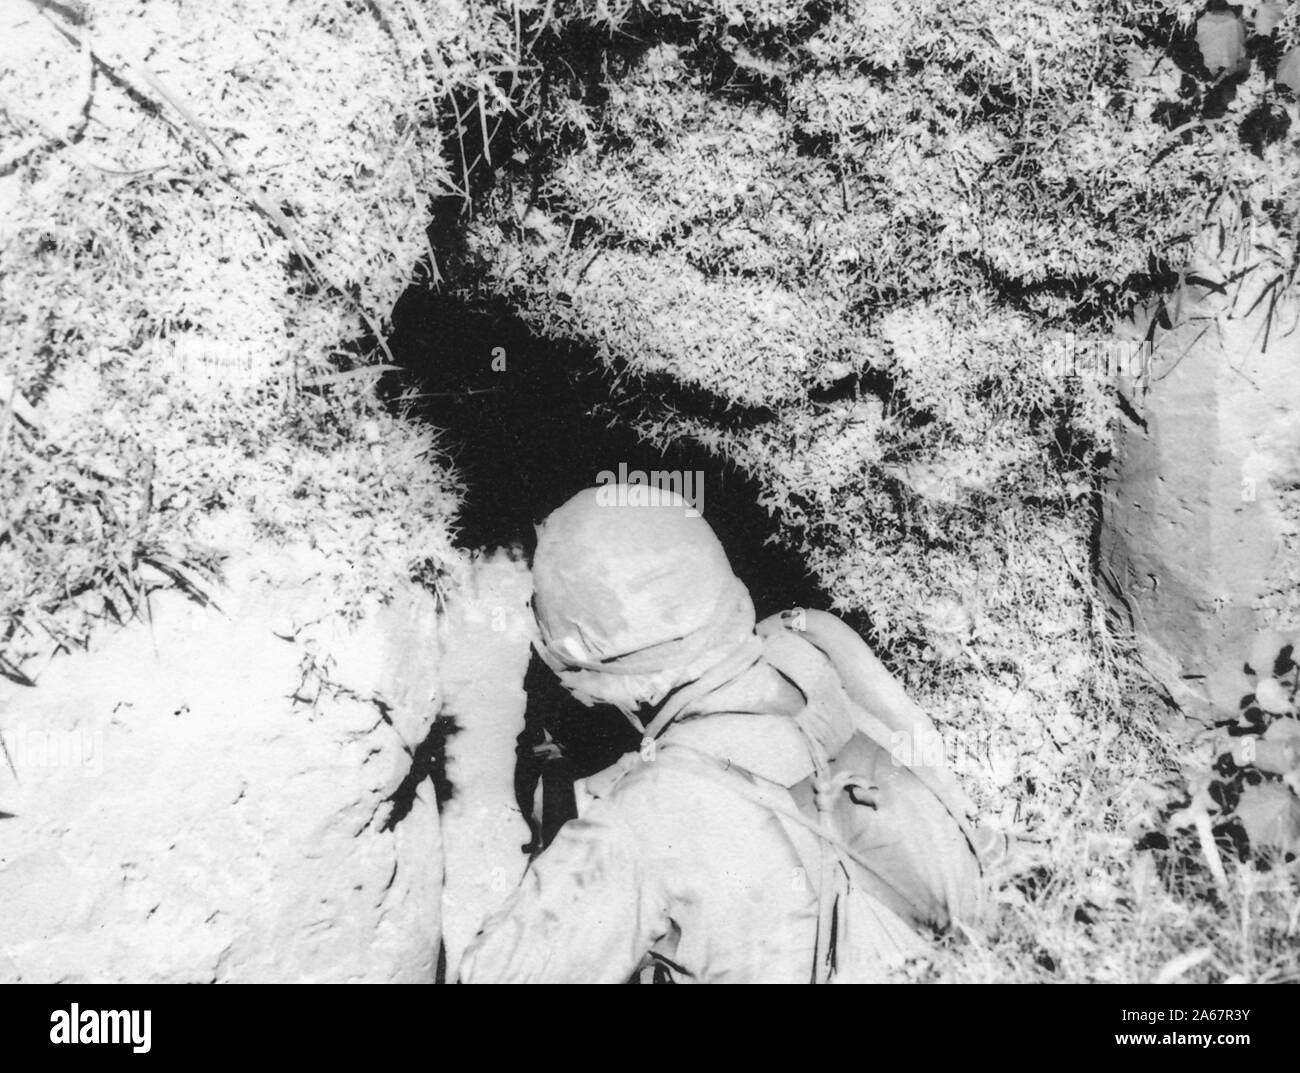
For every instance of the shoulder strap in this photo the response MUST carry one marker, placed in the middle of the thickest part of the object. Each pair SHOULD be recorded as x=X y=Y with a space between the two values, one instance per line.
x=805 y=645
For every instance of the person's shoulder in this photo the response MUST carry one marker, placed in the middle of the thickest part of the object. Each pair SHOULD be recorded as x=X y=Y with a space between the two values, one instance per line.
x=662 y=785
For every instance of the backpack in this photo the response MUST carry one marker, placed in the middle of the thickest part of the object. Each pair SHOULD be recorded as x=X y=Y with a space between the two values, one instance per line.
x=896 y=852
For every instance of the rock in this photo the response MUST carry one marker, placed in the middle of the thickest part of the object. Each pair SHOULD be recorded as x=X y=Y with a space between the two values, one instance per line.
x=178 y=816
x=1200 y=511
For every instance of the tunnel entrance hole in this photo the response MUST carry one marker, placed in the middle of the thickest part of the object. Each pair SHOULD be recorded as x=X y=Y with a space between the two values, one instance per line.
x=529 y=422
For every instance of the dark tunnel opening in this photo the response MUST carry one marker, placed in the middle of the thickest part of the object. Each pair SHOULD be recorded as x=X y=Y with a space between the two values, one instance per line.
x=539 y=427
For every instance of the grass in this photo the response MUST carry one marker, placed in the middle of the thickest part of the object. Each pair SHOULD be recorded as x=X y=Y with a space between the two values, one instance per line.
x=191 y=238
x=872 y=220
x=1085 y=903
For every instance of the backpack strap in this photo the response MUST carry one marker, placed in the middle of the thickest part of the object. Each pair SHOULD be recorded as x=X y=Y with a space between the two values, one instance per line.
x=827 y=660
x=835 y=668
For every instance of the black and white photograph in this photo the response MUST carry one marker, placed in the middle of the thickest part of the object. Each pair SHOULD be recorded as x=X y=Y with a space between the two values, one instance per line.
x=650 y=491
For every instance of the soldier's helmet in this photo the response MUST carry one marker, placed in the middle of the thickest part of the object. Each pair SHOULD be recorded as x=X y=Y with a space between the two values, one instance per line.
x=634 y=596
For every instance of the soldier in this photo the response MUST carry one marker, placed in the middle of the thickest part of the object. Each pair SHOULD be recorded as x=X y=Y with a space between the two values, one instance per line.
x=778 y=823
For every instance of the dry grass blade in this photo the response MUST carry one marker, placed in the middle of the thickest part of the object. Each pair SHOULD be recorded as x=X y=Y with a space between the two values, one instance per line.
x=181 y=577
x=365 y=373
x=4 y=747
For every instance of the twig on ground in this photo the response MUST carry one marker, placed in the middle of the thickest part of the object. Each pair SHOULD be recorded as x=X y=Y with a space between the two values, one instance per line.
x=4 y=747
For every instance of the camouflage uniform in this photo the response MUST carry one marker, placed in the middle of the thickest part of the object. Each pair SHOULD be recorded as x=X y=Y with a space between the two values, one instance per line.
x=705 y=852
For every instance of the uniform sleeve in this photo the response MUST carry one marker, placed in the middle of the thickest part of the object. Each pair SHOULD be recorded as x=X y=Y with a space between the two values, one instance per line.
x=581 y=914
